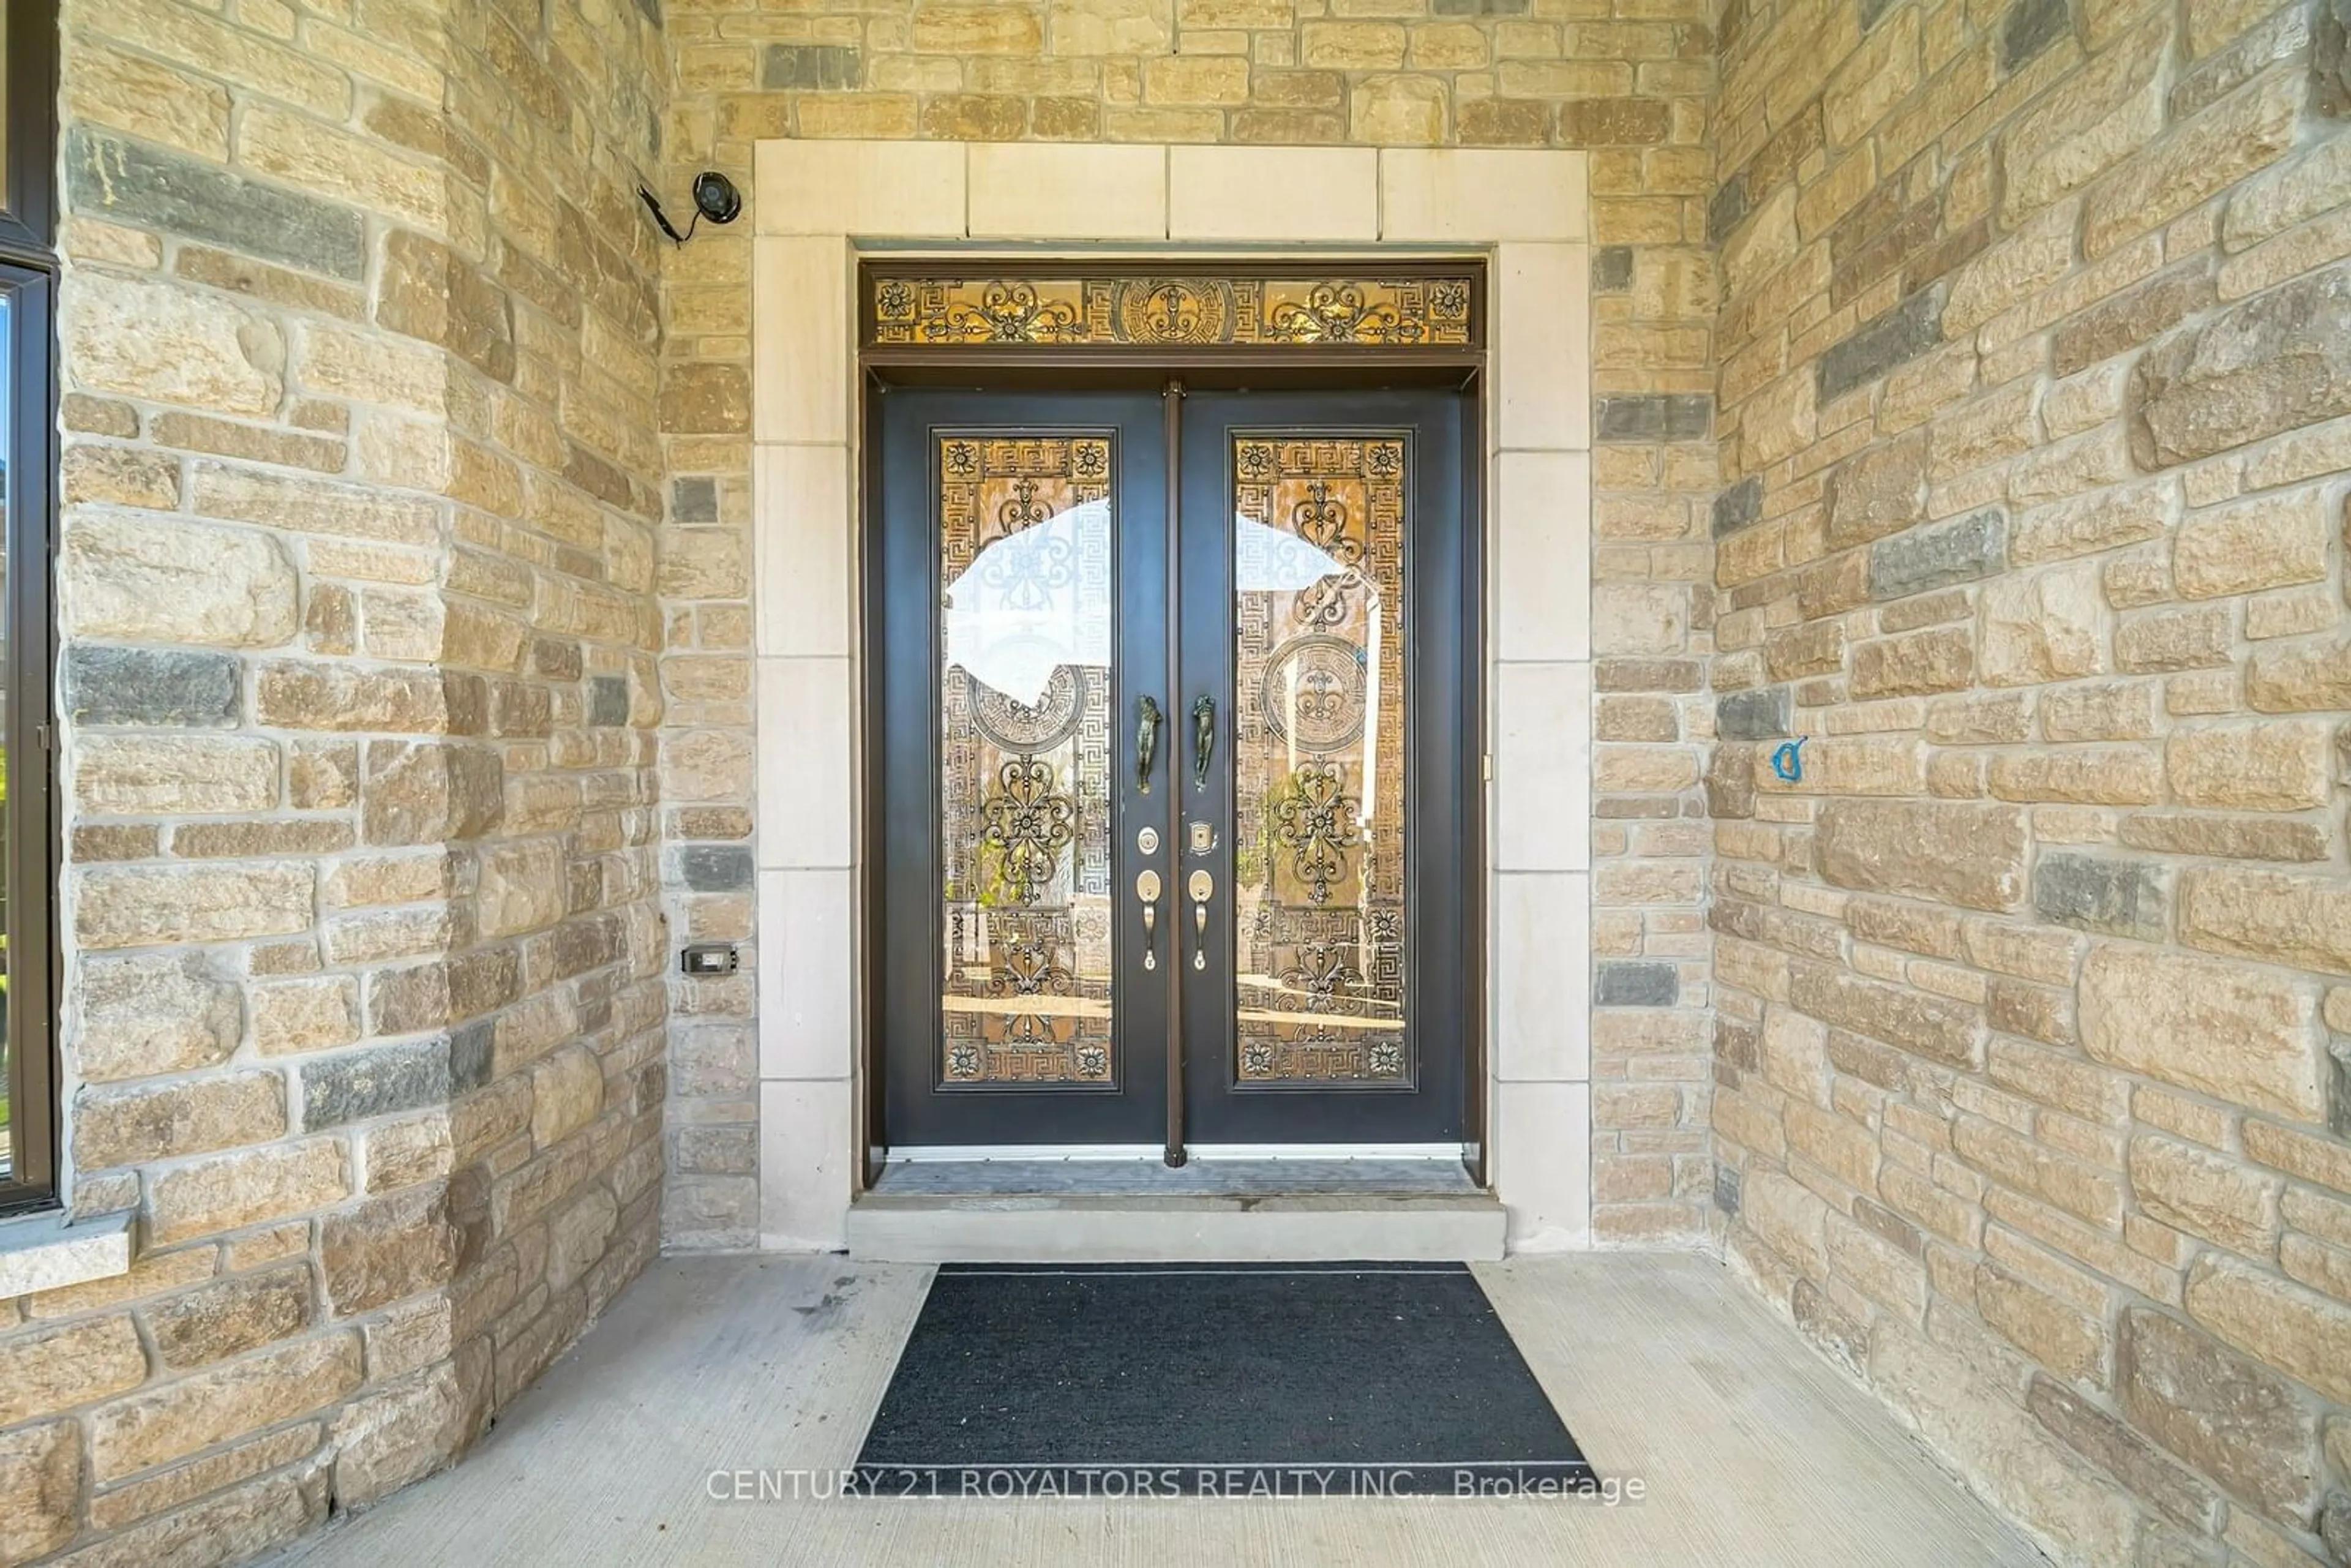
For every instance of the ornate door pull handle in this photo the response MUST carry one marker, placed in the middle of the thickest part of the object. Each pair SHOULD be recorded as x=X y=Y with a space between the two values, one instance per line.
x=1146 y=888
x=1202 y=887
x=1203 y=740
x=1147 y=740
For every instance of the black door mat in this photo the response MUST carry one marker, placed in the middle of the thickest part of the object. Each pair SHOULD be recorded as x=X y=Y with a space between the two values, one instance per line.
x=1283 y=1379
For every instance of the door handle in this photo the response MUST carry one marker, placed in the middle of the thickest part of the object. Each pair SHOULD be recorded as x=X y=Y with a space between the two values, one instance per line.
x=1204 y=738
x=1147 y=740
x=1146 y=888
x=1202 y=887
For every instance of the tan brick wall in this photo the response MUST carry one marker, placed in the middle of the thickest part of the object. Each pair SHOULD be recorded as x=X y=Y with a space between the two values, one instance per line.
x=1630 y=80
x=2035 y=992
x=363 y=1014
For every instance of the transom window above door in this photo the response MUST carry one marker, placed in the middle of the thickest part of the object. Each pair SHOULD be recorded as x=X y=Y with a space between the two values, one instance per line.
x=1391 y=307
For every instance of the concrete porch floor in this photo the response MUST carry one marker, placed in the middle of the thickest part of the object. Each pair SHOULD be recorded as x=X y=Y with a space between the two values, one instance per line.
x=1753 y=1450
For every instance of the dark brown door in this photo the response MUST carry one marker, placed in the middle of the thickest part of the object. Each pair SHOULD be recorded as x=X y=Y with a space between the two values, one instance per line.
x=1184 y=790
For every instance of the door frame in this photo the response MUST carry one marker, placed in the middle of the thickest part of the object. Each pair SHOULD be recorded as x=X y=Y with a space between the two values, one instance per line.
x=823 y=207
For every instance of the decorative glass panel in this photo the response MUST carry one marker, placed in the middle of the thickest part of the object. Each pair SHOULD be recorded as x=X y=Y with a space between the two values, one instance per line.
x=1026 y=526
x=1319 y=715
x=1162 y=312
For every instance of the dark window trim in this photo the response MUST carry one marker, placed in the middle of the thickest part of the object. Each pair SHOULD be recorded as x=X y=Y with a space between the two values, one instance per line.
x=28 y=211
x=29 y=272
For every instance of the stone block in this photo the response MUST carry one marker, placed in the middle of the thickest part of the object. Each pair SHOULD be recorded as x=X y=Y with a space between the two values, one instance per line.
x=1940 y=660
x=389 y=1248
x=2050 y=626
x=1981 y=1428
x=2108 y=110
x=608 y=701
x=1894 y=337
x=40 y=1473
x=225 y=1192
x=2113 y=1447
x=2210 y=1195
x=2138 y=315
x=2294 y=1331
x=2272 y=542
x=1922 y=559
x=2271 y=917
x=1969 y=855
x=1654 y=416
x=1880 y=492
x=152 y=1015
x=522 y=887
x=2031 y=27
x=979 y=30
x=390 y=1437
x=223 y=1402
x=2273 y=362
x=47 y=1370
x=230 y=1316
x=2206 y=154
x=2059 y=1337
x=156 y=580
x=423 y=792
x=715 y=868
x=149 y=906
x=1787 y=1218
x=1761 y=714
x=378 y=1080
x=151 y=687
x=126 y=182
x=2236 y=1033
x=2091 y=893
x=809 y=67
x=1624 y=983
x=122 y=1126
x=2273 y=765
x=164 y=343
x=1936 y=1027
x=567 y=1093
x=2197 y=639
x=174 y=775
x=425 y=290
x=1740 y=506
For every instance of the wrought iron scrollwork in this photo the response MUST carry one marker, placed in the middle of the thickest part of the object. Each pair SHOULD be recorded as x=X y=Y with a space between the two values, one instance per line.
x=1027 y=823
x=1315 y=820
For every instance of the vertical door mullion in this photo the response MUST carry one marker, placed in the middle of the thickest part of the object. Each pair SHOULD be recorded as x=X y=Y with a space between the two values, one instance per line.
x=1172 y=428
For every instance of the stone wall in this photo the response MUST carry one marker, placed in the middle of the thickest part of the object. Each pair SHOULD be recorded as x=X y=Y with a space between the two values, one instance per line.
x=362 y=1008
x=2035 y=991
x=1629 y=79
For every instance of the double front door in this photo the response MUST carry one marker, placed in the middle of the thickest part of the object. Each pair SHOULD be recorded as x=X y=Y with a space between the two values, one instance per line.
x=1172 y=719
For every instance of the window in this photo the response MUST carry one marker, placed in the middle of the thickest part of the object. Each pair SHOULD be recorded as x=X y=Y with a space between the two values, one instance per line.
x=28 y=271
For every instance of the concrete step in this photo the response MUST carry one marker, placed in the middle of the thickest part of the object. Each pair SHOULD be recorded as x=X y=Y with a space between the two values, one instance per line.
x=1207 y=1228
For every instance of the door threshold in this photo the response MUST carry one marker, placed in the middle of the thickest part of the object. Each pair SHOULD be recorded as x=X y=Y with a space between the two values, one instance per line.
x=1220 y=1212
x=1226 y=1175
x=1046 y=1153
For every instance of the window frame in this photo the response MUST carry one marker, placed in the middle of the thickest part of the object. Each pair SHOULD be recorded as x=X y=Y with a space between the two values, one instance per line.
x=29 y=272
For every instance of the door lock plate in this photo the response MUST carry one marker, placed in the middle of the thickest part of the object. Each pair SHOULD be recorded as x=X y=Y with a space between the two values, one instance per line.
x=1204 y=837
x=1202 y=887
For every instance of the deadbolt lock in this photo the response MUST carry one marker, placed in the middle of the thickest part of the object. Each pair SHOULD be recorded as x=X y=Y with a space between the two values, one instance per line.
x=1147 y=841
x=1204 y=837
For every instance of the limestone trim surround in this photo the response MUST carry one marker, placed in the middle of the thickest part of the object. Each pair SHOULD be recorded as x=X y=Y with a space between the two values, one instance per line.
x=817 y=207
